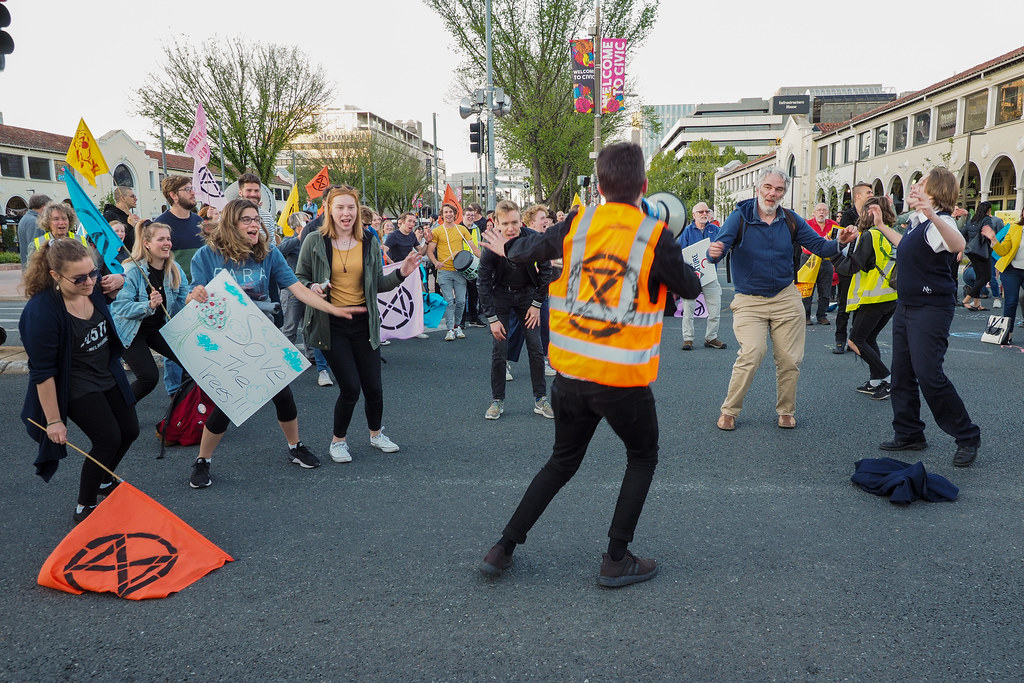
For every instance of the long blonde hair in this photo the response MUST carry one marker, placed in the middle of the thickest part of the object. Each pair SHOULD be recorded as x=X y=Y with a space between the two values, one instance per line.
x=51 y=256
x=328 y=228
x=144 y=232
x=229 y=243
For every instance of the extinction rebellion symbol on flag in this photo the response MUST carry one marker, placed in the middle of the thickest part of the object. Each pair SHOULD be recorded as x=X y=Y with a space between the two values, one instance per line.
x=137 y=560
x=397 y=312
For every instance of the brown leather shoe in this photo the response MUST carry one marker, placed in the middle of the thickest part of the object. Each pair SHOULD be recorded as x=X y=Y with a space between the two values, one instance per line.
x=714 y=344
x=787 y=421
x=687 y=346
x=726 y=423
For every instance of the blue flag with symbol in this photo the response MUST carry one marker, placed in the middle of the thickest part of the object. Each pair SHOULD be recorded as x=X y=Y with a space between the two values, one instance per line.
x=106 y=241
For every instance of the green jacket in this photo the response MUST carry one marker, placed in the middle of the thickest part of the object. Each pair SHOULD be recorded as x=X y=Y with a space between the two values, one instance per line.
x=314 y=266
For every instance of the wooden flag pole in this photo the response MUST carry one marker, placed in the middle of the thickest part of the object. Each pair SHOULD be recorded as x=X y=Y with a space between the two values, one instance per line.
x=97 y=462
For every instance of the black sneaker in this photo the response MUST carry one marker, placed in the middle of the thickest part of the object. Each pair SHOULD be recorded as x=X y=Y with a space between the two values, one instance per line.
x=630 y=569
x=881 y=392
x=301 y=456
x=86 y=511
x=200 y=478
x=866 y=388
x=496 y=561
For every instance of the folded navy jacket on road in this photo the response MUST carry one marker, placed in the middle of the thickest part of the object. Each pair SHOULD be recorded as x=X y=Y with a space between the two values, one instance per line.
x=901 y=481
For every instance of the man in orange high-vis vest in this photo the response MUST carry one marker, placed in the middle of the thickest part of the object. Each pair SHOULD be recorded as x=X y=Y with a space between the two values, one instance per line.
x=606 y=312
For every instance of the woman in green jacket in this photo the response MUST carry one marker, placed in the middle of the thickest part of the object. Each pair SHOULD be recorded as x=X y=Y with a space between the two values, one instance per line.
x=343 y=263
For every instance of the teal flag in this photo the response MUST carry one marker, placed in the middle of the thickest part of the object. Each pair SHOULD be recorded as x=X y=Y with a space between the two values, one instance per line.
x=106 y=241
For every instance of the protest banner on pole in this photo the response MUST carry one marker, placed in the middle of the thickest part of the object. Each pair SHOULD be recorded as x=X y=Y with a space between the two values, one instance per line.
x=103 y=237
x=232 y=349
x=207 y=189
x=401 y=309
x=696 y=256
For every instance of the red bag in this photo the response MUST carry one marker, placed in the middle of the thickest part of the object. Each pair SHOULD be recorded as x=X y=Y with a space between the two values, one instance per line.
x=186 y=416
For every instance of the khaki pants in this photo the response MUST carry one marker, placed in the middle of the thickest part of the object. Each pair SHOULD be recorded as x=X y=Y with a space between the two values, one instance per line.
x=754 y=318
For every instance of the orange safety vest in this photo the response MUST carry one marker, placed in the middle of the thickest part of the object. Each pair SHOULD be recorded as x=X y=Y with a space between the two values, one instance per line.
x=604 y=327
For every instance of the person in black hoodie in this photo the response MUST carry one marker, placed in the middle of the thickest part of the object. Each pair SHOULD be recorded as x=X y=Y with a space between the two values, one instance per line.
x=505 y=287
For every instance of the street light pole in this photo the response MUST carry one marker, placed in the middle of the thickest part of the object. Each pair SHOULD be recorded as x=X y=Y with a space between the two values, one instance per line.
x=598 y=97
x=490 y=116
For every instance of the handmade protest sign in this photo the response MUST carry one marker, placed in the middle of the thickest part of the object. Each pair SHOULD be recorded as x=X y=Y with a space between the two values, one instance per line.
x=232 y=349
x=696 y=256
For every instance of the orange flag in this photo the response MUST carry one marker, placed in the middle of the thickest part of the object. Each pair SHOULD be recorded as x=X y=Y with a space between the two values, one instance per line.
x=319 y=183
x=450 y=198
x=131 y=546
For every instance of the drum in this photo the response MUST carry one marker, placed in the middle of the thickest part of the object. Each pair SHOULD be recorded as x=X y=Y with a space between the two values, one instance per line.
x=467 y=264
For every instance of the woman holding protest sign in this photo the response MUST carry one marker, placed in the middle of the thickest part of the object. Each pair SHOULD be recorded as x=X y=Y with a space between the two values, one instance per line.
x=239 y=245
x=75 y=368
x=154 y=290
x=343 y=262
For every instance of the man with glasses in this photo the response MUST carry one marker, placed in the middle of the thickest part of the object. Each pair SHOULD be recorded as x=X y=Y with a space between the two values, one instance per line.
x=700 y=229
x=121 y=210
x=765 y=240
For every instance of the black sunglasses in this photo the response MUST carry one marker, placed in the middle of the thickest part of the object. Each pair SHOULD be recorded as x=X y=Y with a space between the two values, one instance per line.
x=82 y=279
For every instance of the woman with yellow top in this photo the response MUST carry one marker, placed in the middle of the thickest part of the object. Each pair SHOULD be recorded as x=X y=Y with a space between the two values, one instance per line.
x=1010 y=265
x=872 y=297
x=343 y=262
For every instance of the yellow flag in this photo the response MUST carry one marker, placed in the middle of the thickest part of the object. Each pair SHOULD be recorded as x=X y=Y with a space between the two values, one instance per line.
x=576 y=201
x=290 y=207
x=84 y=154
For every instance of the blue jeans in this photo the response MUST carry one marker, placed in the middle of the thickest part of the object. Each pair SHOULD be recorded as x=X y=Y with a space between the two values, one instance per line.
x=1012 y=278
x=453 y=289
x=172 y=376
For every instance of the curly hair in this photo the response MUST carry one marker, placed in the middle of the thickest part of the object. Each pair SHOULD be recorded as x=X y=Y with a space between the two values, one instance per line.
x=44 y=216
x=53 y=255
x=229 y=243
x=531 y=213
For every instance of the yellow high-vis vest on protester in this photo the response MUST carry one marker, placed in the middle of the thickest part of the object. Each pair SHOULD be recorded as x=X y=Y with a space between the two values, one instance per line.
x=604 y=327
x=80 y=236
x=873 y=287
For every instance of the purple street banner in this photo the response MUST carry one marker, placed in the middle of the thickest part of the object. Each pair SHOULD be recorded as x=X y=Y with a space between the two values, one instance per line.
x=582 y=54
x=613 y=74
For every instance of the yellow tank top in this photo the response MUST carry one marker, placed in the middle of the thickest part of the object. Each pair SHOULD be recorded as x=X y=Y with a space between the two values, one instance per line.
x=347 y=276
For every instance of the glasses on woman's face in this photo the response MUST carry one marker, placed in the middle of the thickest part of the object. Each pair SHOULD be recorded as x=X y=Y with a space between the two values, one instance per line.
x=249 y=220
x=82 y=279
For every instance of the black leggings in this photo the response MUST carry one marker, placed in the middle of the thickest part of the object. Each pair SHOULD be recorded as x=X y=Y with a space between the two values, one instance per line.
x=355 y=364
x=982 y=274
x=140 y=360
x=868 y=322
x=111 y=426
x=284 y=403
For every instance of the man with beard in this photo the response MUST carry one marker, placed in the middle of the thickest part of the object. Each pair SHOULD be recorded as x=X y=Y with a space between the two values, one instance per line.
x=825 y=227
x=765 y=240
x=121 y=210
x=251 y=187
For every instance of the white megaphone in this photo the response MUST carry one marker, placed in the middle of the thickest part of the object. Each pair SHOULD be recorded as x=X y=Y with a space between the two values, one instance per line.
x=668 y=208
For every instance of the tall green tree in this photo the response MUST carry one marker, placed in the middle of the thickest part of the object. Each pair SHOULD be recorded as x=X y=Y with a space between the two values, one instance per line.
x=530 y=61
x=263 y=96
x=692 y=176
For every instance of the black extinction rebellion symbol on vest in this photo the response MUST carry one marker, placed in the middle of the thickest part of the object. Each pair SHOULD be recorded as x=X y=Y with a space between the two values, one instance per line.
x=600 y=317
x=397 y=311
x=137 y=559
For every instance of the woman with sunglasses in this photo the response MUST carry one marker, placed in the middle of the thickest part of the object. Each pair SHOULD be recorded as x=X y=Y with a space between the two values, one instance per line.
x=238 y=244
x=155 y=289
x=75 y=368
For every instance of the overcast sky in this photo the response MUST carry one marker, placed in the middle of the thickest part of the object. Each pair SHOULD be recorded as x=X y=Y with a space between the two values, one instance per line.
x=388 y=56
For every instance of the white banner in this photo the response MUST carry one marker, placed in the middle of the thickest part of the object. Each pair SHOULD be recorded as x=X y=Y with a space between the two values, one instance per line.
x=696 y=256
x=232 y=349
x=198 y=145
x=208 y=190
x=401 y=309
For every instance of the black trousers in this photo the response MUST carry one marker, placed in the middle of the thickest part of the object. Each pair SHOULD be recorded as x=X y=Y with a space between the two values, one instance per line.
x=111 y=426
x=284 y=405
x=517 y=300
x=140 y=360
x=823 y=286
x=472 y=311
x=920 y=337
x=868 y=322
x=842 y=316
x=355 y=365
x=579 y=407
x=982 y=275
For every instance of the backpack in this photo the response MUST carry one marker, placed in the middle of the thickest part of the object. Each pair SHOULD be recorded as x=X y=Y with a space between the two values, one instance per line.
x=791 y=222
x=186 y=416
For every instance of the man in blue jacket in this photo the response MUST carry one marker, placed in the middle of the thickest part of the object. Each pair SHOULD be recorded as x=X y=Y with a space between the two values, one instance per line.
x=701 y=228
x=765 y=240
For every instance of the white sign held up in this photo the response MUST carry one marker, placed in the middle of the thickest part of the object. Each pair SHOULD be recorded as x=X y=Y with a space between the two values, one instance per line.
x=696 y=256
x=232 y=349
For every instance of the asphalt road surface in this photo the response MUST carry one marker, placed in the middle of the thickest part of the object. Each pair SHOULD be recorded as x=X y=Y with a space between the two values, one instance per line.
x=773 y=566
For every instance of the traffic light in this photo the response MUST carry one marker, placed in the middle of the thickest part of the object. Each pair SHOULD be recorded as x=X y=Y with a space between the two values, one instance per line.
x=477 y=133
x=6 y=41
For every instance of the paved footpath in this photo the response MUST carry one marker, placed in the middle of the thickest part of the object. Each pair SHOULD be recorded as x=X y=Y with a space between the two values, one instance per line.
x=773 y=566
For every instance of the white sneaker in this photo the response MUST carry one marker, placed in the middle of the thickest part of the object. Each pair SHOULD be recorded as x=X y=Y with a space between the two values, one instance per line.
x=996 y=303
x=450 y=335
x=508 y=372
x=459 y=334
x=385 y=342
x=542 y=407
x=324 y=379
x=383 y=443
x=339 y=451
x=495 y=410
x=423 y=335
x=548 y=370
